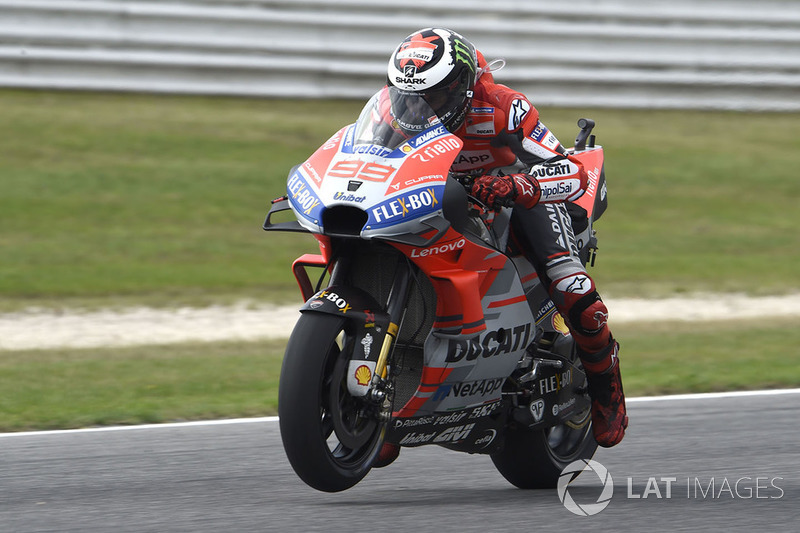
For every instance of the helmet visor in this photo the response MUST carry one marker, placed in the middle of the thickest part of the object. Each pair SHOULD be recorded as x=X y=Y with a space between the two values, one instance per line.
x=449 y=103
x=412 y=111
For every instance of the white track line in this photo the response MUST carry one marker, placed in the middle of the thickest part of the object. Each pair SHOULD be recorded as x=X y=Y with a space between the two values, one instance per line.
x=712 y=395
x=204 y=423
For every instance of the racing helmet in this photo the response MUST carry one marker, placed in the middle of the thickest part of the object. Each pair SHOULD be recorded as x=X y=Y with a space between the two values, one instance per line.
x=438 y=66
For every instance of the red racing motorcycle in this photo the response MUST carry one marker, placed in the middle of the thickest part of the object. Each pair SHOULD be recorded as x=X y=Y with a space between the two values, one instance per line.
x=422 y=328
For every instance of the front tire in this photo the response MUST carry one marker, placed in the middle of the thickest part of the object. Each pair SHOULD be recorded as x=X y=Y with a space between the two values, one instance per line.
x=330 y=442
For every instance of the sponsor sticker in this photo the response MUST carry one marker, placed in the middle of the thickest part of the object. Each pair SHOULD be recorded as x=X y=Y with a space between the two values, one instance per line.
x=418 y=52
x=539 y=132
x=469 y=159
x=537 y=409
x=359 y=376
x=345 y=197
x=406 y=206
x=366 y=342
x=481 y=128
x=576 y=284
x=440 y=249
x=517 y=112
x=487 y=439
x=302 y=198
x=340 y=302
x=426 y=136
x=489 y=344
x=454 y=434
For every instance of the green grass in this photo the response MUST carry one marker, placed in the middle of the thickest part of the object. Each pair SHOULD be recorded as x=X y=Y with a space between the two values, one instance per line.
x=117 y=199
x=50 y=389
x=90 y=387
x=672 y=358
x=149 y=198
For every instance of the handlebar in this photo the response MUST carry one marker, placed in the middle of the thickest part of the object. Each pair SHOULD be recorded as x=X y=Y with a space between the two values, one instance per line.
x=586 y=125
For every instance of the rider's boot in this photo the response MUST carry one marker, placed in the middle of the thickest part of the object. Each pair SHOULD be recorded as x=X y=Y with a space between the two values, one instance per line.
x=609 y=416
x=389 y=452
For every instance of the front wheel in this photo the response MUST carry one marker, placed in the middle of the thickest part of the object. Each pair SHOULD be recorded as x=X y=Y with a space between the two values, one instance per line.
x=331 y=438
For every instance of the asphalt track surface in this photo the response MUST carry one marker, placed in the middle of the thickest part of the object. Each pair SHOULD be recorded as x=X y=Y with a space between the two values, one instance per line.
x=234 y=477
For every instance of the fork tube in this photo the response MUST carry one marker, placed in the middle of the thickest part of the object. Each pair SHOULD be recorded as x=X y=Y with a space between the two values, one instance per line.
x=341 y=265
x=395 y=307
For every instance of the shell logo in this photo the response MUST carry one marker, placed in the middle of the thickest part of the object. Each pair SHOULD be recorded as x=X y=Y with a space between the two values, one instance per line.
x=560 y=324
x=363 y=375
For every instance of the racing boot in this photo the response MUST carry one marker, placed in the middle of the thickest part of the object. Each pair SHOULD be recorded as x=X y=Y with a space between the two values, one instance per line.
x=609 y=416
x=389 y=452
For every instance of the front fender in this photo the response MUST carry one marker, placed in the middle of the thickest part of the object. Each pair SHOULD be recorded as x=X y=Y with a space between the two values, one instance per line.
x=367 y=323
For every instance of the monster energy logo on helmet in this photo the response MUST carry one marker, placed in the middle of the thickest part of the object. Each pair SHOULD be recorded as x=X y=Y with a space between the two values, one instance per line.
x=464 y=53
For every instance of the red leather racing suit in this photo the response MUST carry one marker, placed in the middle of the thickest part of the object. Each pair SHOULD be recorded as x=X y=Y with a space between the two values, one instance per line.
x=502 y=131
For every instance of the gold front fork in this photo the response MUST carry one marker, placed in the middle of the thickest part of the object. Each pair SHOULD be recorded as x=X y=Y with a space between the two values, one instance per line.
x=391 y=334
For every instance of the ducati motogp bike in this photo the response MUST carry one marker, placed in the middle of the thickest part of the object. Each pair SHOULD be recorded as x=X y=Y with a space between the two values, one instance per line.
x=422 y=327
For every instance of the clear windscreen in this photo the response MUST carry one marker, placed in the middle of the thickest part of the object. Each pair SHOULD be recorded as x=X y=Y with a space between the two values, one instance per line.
x=393 y=116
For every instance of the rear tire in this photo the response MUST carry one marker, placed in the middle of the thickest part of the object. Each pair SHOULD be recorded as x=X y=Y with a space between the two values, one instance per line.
x=330 y=444
x=535 y=458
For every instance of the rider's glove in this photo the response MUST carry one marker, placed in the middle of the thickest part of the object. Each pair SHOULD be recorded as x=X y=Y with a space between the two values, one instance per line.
x=505 y=191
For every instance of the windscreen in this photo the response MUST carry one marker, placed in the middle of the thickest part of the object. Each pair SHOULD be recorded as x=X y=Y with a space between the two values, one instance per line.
x=393 y=116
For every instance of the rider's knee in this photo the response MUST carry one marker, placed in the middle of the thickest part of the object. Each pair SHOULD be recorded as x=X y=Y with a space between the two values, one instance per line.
x=586 y=315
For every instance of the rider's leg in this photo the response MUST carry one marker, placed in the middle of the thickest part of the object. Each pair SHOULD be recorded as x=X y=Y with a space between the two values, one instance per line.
x=546 y=237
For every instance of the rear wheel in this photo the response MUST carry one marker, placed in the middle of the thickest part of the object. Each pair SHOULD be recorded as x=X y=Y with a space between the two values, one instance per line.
x=535 y=458
x=331 y=437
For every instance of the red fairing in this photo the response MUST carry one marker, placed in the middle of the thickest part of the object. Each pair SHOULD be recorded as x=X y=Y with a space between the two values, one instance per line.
x=592 y=161
x=461 y=273
x=321 y=260
x=321 y=159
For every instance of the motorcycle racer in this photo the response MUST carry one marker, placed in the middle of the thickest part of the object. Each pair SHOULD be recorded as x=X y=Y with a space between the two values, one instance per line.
x=520 y=163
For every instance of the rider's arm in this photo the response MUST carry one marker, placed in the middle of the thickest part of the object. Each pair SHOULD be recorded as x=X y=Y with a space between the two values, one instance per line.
x=560 y=175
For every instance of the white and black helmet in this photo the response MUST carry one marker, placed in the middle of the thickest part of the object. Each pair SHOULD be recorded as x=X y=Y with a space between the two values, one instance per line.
x=438 y=65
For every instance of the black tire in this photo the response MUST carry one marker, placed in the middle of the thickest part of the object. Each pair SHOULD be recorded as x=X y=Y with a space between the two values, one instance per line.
x=535 y=458
x=330 y=445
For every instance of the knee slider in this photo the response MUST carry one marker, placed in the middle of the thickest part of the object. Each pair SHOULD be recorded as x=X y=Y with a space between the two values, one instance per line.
x=590 y=314
x=578 y=300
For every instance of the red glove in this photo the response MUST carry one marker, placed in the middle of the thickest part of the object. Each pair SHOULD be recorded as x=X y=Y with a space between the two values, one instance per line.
x=504 y=191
